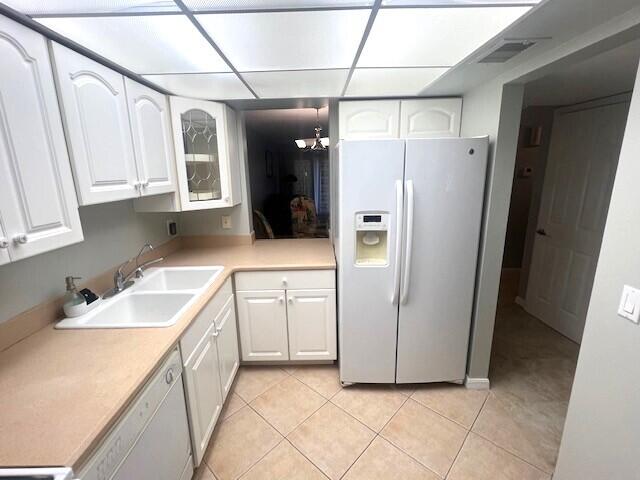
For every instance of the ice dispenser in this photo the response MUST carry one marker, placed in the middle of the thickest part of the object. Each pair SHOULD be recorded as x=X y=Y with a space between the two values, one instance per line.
x=371 y=238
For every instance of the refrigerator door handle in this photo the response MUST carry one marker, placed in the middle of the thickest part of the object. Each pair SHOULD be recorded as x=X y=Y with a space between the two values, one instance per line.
x=409 y=245
x=398 y=254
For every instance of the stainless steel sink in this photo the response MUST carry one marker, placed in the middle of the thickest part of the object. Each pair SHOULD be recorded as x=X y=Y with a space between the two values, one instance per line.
x=156 y=300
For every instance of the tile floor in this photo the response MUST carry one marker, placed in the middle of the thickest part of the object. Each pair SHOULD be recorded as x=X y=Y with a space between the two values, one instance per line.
x=299 y=423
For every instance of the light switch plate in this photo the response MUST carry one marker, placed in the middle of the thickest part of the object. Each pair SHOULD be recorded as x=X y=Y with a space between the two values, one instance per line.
x=629 y=307
x=226 y=222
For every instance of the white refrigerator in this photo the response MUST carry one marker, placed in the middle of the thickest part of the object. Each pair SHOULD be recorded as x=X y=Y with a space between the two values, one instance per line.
x=409 y=215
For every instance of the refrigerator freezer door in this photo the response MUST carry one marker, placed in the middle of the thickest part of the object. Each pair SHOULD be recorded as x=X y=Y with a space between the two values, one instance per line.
x=369 y=172
x=448 y=177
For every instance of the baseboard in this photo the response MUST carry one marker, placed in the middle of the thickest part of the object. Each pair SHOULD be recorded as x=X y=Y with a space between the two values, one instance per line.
x=520 y=301
x=476 y=383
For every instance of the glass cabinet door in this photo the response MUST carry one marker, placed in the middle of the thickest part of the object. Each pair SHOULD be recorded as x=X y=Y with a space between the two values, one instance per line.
x=202 y=158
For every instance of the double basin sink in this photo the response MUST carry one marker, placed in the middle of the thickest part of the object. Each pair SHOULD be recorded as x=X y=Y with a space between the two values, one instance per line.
x=156 y=300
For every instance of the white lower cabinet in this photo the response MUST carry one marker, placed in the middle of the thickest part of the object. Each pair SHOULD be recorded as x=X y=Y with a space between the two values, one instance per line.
x=210 y=357
x=311 y=318
x=262 y=316
x=297 y=322
x=227 y=340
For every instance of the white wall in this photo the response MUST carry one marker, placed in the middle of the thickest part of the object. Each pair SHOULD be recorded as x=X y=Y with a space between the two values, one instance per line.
x=113 y=232
x=209 y=222
x=492 y=110
x=602 y=428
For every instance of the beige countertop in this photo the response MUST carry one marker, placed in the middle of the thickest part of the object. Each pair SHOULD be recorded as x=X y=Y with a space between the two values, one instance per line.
x=62 y=390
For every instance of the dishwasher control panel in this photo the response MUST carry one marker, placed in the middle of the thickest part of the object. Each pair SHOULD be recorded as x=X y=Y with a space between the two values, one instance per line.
x=123 y=436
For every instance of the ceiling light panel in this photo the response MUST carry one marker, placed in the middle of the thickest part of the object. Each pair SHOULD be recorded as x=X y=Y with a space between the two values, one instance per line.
x=433 y=37
x=208 y=86
x=297 y=84
x=288 y=40
x=219 y=5
x=391 y=82
x=57 y=7
x=454 y=3
x=143 y=44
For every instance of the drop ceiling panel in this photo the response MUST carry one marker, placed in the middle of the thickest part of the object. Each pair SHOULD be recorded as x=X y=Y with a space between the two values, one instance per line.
x=214 y=5
x=47 y=7
x=297 y=84
x=209 y=86
x=143 y=44
x=288 y=40
x=391 y=82
x=433 y=37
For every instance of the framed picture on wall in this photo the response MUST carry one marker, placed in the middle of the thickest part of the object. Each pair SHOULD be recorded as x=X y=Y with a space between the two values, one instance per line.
x=268 y=163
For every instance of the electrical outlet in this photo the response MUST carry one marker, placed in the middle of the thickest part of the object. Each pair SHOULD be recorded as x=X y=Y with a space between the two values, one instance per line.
x=172 y=228
x=226 y=222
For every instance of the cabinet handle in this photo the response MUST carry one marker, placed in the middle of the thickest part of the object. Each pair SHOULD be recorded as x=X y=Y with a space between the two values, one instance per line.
x=215 y=333
x=4 y=243
x=281 y=299
x=226 y=199
x=290 y=301
x=21 y=238
x=168 y=377
x=145 y=184
x=284 y=281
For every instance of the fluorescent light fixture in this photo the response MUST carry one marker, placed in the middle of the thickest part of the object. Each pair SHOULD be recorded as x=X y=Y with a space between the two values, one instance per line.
x=297 y=84
x=60 y=7
x=454 y=3
x=208 y=86
x=143 y=43
x=391 y=82
x=301 y=143
x=433 y=37
x=215 y=5
x=288 y=40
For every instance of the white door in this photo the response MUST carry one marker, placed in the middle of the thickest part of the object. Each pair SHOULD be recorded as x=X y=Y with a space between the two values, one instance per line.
x=97 y=125
x=37 y=198
x=262 y=317
x=445 y=181
x=151 y=130
x=204 y=394
x=362 y=119
x=202 y=153
x=581 y=167
x=311 y=318
x=227 y=342
x=430 y=118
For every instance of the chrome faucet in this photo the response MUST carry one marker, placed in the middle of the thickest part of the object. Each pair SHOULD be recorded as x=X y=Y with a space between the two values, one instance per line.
x=121 y=281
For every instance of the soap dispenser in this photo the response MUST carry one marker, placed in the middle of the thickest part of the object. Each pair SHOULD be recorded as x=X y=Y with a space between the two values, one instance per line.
x=74 y=302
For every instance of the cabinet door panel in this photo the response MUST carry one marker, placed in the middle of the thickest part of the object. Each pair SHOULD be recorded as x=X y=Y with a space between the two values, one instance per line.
x=203 y=393
x=151 y=130
x=37 y=196
x=312 y=324
x=369 y=119
x=430 y=118
x=227 y=343
x=97 y=123
x=262 y=316
x=202 y=153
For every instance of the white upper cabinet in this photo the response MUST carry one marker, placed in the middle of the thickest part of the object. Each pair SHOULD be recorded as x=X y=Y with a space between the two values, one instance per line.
x=151 y=130
x=369 y=119
x=97 y=125
x=430 y=118
x=38 y=206
x=419 y=118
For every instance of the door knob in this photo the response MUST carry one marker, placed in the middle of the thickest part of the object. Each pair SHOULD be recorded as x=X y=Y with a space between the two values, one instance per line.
x=541 y=231
x=4 y=243
x=21 y=238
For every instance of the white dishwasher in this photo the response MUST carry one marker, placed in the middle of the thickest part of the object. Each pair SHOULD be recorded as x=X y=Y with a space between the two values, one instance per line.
x=151 y=441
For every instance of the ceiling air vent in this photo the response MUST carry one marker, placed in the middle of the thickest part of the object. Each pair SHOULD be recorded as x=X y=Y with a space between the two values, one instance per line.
x=506 y=51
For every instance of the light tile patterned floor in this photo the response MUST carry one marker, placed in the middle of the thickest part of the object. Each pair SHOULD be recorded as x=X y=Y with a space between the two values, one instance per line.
x=298 y=422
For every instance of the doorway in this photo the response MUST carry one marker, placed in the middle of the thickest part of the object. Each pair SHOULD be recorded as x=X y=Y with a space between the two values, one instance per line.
x=289 y=172
x=571 y=132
